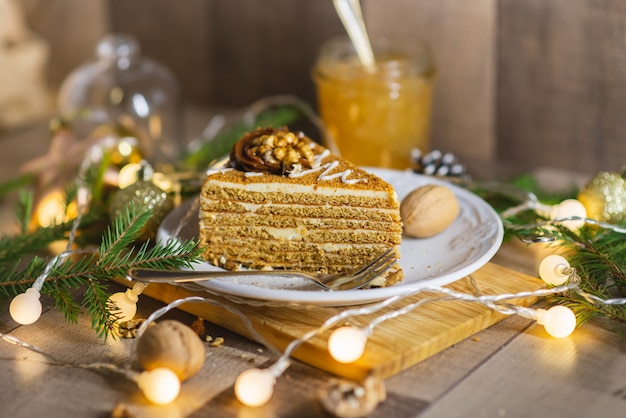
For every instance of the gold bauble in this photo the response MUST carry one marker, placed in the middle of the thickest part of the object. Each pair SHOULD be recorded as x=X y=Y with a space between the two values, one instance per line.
x=604 y=197
x=144 y=195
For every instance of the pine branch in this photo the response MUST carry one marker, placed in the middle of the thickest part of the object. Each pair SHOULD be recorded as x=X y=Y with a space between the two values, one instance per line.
x=64 y=301
x=12 y=248
x=599 y=257
x=16 y=184
x=597 y=254
x=14 y=281
x=219 y=146
x=127 y=228
x=116 y=254
x=24 y=211
x=99 y=309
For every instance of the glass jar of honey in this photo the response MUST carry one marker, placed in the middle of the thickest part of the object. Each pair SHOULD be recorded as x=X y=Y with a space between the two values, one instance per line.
x=376 y=115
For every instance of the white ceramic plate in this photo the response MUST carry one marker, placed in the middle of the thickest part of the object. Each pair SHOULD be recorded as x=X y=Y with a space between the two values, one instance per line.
x=468 y=244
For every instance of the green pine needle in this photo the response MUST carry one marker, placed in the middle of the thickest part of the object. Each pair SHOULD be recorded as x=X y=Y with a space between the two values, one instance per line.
x=116 y=254
x=126 y=229
x=597 y=254
x=599 y=257
x=219 y=146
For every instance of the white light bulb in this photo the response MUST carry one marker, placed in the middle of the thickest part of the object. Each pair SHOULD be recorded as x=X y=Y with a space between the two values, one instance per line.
x=559 y=320
x=347 y=344
x=25 y=308
x=160 y=386
x=255 y=387
x=126 y=303
x=568 y=208
x=553 y=270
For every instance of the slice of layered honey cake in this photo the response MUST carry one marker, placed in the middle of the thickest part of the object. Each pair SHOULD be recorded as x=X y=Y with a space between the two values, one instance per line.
x=285 y=202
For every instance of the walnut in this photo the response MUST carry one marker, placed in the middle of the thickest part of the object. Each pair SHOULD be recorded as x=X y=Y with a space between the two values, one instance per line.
x=428 y=210
x=276 y=151
x=128 y=329
x=173 y=345
x=346 y=399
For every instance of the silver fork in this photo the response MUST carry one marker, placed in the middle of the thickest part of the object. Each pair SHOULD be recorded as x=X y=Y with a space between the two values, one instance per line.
x=354 y=279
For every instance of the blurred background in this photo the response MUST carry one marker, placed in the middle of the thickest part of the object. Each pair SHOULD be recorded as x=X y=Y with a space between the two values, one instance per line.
x=521 y=84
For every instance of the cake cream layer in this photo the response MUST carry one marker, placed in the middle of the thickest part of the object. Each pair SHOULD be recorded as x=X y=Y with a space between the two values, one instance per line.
x=224 y=219
x=326 y=211
x=241 y=244
x=301 y=233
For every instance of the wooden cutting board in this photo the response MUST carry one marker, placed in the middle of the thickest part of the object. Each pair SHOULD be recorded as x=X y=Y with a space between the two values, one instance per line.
x=395 y=345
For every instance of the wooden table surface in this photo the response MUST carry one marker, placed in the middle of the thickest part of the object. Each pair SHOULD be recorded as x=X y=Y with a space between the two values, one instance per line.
x=511 y=369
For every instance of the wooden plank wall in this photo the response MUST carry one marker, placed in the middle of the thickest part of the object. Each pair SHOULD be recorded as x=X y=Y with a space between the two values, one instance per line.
x=71 y=28
x=522 y=84
x=561 y=83
x=232 y=52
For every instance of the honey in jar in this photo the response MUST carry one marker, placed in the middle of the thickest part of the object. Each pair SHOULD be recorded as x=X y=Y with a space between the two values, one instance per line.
x=376 y=115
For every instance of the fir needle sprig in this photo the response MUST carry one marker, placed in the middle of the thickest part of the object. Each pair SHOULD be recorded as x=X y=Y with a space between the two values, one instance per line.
x=597 y=252
x=92 y=271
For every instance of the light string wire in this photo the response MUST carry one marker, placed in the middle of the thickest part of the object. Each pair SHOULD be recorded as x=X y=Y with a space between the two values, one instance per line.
x=162 y=311
x=61 y=257
x=283 y=361
x=529 y=201
x=127 y=371
x=589 y=221
x=52 y=360
x=488 y=300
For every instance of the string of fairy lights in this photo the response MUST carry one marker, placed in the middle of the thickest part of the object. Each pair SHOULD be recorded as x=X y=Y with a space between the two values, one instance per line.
x=346 y=344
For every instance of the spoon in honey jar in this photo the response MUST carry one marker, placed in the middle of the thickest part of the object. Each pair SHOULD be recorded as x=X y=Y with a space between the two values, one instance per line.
x=349 y=12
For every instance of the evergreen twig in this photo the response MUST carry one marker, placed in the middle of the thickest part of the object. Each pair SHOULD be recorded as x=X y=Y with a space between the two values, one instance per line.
x=599 y=257
x=117 y=253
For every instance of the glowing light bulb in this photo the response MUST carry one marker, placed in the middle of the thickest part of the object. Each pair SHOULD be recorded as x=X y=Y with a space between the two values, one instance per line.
x=126 y=303
x=160 y=386
x=559 y=320
x=255 y=387
x=25 y=308
x=128 y=175
x=568 y=208
x=347 y=344
x=51 y=209
x=553 y=270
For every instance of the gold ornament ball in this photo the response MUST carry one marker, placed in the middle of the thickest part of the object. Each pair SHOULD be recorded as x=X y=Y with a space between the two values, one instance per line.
x=144 y=195
x=604 y=197
x=172 y=345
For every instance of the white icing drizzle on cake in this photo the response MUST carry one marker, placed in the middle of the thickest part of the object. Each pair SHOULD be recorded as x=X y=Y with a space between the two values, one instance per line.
x=328 y=167
x=299 y=172
x=222 y=170
x=319 y=157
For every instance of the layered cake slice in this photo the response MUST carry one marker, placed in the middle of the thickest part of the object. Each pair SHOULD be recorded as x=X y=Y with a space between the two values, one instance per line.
x=285 y=202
